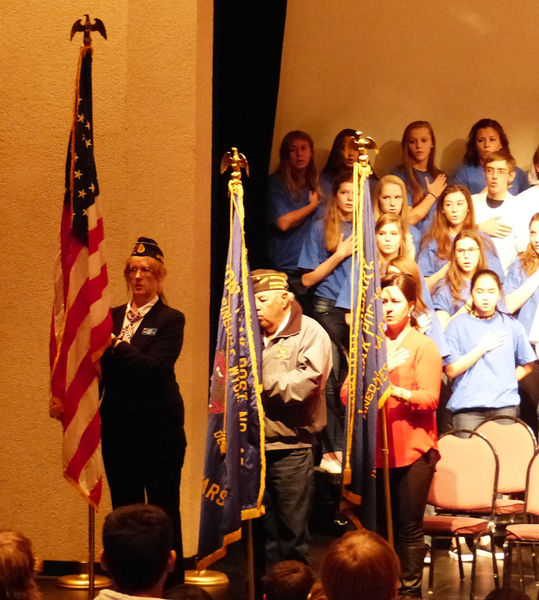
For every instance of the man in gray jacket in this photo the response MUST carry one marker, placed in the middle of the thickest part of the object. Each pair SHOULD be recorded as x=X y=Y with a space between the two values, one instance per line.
x=296 y=362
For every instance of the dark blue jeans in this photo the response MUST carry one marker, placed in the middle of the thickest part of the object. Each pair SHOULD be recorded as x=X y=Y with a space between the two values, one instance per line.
x=332 y=320
x=289 y=490
x=470 y=419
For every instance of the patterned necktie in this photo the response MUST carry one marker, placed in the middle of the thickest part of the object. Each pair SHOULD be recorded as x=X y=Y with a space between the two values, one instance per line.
x=133 y=316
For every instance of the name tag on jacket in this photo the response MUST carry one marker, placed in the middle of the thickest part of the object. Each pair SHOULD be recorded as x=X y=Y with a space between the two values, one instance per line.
x=149 y=331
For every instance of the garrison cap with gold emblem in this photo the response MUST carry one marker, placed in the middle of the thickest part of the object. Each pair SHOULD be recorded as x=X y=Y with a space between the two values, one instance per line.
x=148 y=247
x=265 y=280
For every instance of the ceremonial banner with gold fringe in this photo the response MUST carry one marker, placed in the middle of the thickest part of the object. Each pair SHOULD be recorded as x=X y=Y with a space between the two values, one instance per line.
x=81 y=321
x=368 y=378
x=234 y=469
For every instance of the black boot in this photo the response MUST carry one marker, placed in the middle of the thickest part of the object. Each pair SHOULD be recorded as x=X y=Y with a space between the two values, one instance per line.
x=411 y=558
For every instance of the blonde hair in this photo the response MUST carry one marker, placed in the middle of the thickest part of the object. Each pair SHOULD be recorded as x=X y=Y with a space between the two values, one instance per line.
x=387 y=219
x=529 y=259
x=392 y=179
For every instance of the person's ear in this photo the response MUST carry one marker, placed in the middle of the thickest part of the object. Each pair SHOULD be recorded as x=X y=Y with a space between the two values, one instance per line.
x=102 y=560
x=171 y=561
x=511 y=177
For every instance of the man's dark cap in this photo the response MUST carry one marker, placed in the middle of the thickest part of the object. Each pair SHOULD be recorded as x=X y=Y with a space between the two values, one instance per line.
x=148 y=247
x=265 y=280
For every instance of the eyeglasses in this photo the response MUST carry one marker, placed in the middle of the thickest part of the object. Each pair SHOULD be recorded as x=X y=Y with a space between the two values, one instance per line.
x=463 y=251
x=493 y=171
x=132 y=271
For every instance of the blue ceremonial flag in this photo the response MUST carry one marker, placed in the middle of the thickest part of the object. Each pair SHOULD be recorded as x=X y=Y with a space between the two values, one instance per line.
x=368 y=377
x=234 y=469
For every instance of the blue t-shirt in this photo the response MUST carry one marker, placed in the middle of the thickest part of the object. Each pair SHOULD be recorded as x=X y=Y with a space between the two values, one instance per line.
x=284 y=246
x=434 y=331
x=314 y=253
x=515 y=278
x=430 y=262
x=401 y=172
x=491 y=381
x=443 y=299
x=473 y=177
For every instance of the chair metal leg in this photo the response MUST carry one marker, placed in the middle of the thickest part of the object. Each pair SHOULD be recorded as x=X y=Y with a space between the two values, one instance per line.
x=507 y=563
x=431 y=566
x=534 y=561
x=520 y=576
x=474 y=562
x=494 y=562
x=459 y=555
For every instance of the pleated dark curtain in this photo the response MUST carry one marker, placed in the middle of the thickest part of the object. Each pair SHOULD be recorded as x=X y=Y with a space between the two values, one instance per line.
x=247 y=48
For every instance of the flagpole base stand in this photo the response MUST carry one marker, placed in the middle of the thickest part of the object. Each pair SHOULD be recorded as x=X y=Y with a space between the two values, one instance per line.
x=82 y=581
x=206 y=577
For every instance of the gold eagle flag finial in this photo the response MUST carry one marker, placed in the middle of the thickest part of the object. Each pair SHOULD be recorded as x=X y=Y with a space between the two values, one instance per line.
x=359 y=142
x=87 y=27
x=236 y=161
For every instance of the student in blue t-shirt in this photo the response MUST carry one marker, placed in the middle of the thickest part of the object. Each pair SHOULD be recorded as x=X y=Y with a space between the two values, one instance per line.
x=424 y=181
x=451 y=295
x=489 y=353
x=390 y=196
x=325 y=261
x=486 y=136
x=522 y=300
x=454 y=212
x=292 y=202
x=340 y=163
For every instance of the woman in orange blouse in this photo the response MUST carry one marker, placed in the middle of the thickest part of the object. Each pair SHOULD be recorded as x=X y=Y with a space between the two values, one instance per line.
x=415 y=372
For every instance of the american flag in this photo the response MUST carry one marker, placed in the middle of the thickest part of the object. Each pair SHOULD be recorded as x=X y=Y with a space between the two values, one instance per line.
x=81 y=321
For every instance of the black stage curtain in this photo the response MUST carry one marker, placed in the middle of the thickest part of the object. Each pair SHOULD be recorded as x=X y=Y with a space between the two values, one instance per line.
x=247 y=48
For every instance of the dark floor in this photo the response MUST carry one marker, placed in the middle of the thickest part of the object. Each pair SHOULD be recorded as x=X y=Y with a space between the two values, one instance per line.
x=447 y=584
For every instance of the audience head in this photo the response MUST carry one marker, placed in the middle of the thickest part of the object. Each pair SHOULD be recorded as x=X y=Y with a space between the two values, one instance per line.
x=418 y=144
x=288 y=580
x=499 y=172
x=272 y=298
x=535 y=166
x=390 y=236
x=507 y=593
x=339 y=159
x=399 y=299
x=390 y=197
x=467 y=253
x=486 y=136
x=454 y=209
x=486 y=291
x=145 y=269
x=360 y=564
x=297 y=161
x=137 y=547
x=16 y=567
x=402 y=264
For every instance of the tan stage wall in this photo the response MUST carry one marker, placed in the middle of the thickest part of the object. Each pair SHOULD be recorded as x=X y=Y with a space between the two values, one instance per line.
x=152 y=124
x=379 y=65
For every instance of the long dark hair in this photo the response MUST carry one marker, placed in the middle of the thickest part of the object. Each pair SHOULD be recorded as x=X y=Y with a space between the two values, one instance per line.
x=472 y=156
x=439 y=230
x=284 y=170
x=335 y=163
x=418 y=193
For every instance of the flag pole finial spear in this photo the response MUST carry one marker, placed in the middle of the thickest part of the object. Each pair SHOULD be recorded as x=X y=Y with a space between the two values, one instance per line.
x=360 y=142
x=236 y=161
x=87 y=27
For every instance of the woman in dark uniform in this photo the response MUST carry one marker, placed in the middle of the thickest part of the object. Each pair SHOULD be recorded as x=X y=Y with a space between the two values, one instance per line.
x=142 y=414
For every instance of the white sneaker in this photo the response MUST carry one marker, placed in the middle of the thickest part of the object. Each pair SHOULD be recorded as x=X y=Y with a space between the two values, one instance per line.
x=330 y=466
x=485 y=551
